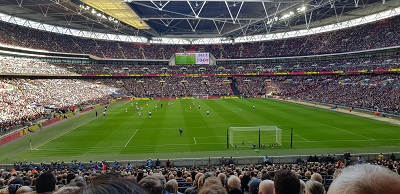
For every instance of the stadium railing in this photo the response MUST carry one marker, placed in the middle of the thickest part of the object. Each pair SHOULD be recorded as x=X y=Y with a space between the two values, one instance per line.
x=239 y=161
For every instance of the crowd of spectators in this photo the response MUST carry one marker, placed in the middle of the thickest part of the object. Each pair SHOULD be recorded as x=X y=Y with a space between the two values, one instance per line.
x=12 y=66
x=384 y=33
x=275 y=85
x=370 y=91
x=372 y=63
x=375 y=92
x=143 y=69
x=314 y=176
x=30 y=67
x=177 y=86
x=25 y=100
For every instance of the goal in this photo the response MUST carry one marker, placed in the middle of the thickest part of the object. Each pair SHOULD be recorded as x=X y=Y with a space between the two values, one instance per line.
x=200 y=96
x=257 y=136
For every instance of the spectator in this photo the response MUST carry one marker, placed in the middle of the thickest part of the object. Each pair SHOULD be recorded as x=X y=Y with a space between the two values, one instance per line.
x=316 y=177
x=222 y=178
x=213 y=189
x=70 y=176
x=46 y=183
x=151 y=184
x=172 y=187
x=286 y=182
x=254 y=186
x=266 y=187
x=111 y=183
x=24 y=189
x=196 y=182
x=149 y=163
x=380 y=157
x=365 y=178
x=302 y=187
x=233 y=185
x=360 y=159
x=179 y=176
x=67 y=189
x=14 y=185
x=212 y=181
x=314 y=187
x=392 y=157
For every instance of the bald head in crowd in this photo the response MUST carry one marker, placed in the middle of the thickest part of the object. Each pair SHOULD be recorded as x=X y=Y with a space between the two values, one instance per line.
x=366 y=179
x=266 y=187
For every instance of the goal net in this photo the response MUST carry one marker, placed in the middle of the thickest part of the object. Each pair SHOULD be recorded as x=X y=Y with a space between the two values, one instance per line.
x=200 y=96
x=257 y=136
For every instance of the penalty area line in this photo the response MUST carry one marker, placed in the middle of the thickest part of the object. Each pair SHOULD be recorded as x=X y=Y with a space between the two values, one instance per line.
x=351 y=132
x=131 y=137
x=37 y=147
x=303 y=138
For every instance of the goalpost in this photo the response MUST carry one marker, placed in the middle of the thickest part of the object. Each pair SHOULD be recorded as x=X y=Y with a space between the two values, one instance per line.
x=201 y=96
x=259 y=136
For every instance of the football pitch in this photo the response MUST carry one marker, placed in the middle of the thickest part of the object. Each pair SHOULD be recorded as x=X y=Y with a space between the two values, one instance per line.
x=124 y=135
x=185 y=59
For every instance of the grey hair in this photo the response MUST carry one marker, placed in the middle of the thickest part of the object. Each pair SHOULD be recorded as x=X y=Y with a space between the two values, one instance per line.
x=302 y=187
x=234 y=182
x=316 y=177
x=314 y=187
x=365 y=179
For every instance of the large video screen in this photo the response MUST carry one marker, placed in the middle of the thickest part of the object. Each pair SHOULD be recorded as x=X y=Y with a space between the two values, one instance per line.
x=192 y=58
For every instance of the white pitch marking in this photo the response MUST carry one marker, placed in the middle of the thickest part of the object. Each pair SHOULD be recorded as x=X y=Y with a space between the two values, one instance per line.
x=302 y=138
x=36 y=148
x=131 y=137
x=336 y=140
x=211 y=137
x=351 y=132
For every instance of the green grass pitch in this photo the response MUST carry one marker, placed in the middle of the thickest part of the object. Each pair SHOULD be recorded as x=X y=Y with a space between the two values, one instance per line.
x=124 y=135
x=185 y=60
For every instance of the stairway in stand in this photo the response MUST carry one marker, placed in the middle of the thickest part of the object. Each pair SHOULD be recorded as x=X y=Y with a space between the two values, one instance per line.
x=234 y=89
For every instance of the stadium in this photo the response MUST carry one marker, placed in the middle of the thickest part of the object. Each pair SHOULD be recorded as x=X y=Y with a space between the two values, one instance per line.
x=199 y=96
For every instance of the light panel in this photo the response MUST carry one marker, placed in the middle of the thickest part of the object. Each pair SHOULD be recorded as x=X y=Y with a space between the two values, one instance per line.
x=118 y=10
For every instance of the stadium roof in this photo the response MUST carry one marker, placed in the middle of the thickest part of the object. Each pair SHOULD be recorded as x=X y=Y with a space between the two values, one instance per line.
x=192 y=19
